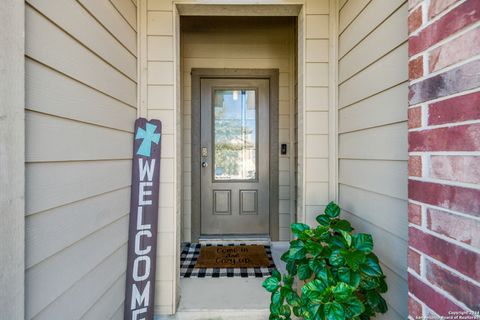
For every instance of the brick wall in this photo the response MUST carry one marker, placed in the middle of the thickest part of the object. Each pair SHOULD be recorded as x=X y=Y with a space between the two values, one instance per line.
x=444 y=157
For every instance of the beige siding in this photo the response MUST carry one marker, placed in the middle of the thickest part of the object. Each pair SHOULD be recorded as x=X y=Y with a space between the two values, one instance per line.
x=81 y=99
x=249 y=43
x=372 y=132
x=313 y=137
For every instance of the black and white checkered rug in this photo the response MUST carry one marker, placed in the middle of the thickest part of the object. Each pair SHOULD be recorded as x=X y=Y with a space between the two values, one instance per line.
x=191 y=251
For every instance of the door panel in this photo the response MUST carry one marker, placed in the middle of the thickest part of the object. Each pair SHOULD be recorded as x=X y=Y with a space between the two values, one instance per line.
x=234 y=156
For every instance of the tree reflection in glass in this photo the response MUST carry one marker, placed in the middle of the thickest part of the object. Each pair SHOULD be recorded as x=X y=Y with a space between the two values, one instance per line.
x=235 y=134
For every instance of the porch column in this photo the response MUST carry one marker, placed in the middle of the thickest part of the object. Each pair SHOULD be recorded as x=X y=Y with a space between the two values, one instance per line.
x=12 y=159
x=158 y=86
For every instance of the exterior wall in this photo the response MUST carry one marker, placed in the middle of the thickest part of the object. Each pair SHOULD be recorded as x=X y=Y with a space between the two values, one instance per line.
x=12 y=158
x=248 y=43
x=444 y=157
x=81 y=85
x=372 y=133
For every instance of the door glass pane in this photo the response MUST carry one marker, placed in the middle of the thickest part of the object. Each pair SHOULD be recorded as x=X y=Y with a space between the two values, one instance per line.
x=234 y=135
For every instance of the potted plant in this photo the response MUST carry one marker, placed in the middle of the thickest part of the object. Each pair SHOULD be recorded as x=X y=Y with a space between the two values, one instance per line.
x=338 y=276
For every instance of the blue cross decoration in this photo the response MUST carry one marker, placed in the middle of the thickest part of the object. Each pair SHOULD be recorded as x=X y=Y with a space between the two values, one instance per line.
x=149 y=136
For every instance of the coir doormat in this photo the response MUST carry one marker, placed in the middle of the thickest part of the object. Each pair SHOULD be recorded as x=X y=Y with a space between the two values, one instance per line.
x=226 y=260
x=250 y=256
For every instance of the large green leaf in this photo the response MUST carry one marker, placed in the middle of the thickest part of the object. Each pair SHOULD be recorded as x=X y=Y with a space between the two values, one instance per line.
x=342 y=292
x=313 y=289
x=371 y=268
x=353 y=307
x=332 y=210
x=299 y=228
x=323 y=220
x=336 y=258
x=334 y=311
x=271 y=284
x=317 y=265
x=297 y=250
x=313 y=247
x=304 y=272
x=375 y=300
x=354 y=259
x=348 y=238
x=278 y=297
x=285 y=256
x=340 y=224
x=363 y=242
x=293 y=299
x=288 y=280
x=292 y=267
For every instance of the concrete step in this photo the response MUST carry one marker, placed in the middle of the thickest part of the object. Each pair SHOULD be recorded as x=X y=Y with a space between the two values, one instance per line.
x=236 y=314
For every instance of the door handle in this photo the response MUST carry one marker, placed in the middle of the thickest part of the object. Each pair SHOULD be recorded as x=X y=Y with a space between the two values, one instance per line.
x=204 y=164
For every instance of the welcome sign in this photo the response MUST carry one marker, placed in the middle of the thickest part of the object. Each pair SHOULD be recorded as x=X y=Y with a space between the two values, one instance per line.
x=142 y=240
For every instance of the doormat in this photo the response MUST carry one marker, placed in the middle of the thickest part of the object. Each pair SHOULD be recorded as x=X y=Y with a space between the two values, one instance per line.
x=191 y=267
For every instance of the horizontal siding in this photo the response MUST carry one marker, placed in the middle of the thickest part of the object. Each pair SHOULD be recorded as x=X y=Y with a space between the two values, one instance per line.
x=58 y=228
x=380 y=176
x=392 y=69
x=106 y=273
x=372 y=138
x=387 y=142
x=128 y=10
x=105 y=12
x=73 y=99
x=76 y=21
x=54 y=276
x=53 y=184
x=51 y=46
x=81 y=86
x=381 y=41
x=51 y=138
x=367 y=20
x=388 y=107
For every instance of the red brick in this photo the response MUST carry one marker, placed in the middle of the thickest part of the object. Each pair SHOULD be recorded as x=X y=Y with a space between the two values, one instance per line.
x=456 y=80
x=456 y=109
x=415 y=19
x=415 y=117
x=456 y=50
x=463 y=260
x=457 y=138
x=438 y=6
x=434 y=300
x=455 y=20
x=414 y=213
x=414 y=308
x=414 y=260
x=454 y=226
x=455 y=198
x=462 y=290
x=415 y=68
x=456 y=168
x=415 y=166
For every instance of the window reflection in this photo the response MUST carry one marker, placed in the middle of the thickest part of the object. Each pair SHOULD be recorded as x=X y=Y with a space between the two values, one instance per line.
x=235 y=135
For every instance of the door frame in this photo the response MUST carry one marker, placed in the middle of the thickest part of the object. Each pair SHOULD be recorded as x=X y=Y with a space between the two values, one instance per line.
x=213 y=73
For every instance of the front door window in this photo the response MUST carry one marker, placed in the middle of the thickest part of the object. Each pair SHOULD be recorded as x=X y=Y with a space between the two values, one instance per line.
x=235 y=134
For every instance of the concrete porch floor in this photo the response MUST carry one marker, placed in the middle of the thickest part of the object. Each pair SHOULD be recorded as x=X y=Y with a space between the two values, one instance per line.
x=227 y=298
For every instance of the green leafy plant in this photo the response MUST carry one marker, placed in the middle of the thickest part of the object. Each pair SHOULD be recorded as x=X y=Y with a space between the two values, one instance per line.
x=340 y=275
